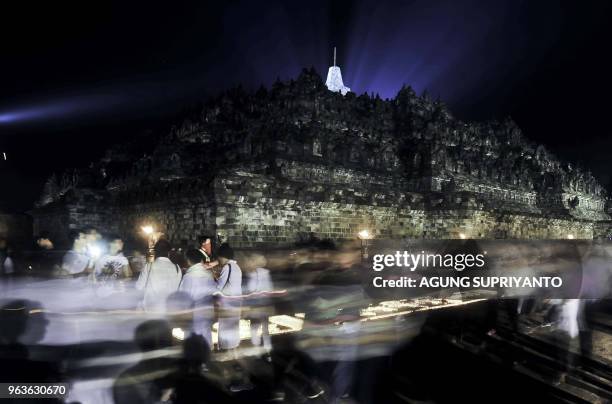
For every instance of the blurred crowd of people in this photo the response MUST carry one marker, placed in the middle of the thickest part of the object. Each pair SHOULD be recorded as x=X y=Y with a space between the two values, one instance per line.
x=203 y=280
x=205 y=289
x=195 y=292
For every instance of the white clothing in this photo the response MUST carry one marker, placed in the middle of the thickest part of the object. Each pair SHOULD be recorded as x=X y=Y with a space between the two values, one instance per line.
x=230 y=280
x=158 y=281
x=205 y=254
x=259 y=281
x=199 y=284
x=568 y=317
x=108 y=270
x=74 y=262
x=112 y=263
x=229 y=284
x=7 y=267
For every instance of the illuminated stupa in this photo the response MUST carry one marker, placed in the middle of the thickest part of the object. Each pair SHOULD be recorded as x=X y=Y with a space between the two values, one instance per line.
x=334 y=79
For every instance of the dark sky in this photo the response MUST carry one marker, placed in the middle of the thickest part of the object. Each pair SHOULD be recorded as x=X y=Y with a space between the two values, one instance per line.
x=77 y=77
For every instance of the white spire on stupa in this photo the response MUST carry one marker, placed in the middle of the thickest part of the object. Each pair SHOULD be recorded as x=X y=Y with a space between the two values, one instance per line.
x=334 y=78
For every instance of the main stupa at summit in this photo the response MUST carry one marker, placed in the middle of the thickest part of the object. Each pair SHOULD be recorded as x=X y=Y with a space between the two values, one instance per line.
x=334 y=79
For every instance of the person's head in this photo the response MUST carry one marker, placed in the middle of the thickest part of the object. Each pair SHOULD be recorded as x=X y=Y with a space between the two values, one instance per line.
x=252 y=261
x=44 y=241
x=13 y=321
x=115 y=244
x=134 y=247
x=22 y=321
x=162 y=248
x=152 y=335
x=73 y=236
x=91 y=235
x=205 y=243
x=193 y=256
x=225 y=253
x=196 y=351
x=259 y=260
x=77 y=240
x=347 y=257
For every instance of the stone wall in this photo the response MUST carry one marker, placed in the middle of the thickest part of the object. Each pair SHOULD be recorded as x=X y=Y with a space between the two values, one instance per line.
x=54 y=220
x=249 y=226
x=17 y=228
x=603 y=230
x=487 y=225
x=251 y=209
x=256 y=210
x=182 y=221
x=79 y=209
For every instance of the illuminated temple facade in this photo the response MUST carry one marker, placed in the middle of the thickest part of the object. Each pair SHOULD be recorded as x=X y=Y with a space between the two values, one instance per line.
x=297 y=160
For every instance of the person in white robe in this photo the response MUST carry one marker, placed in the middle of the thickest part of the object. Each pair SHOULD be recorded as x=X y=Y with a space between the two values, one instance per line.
x=199 y=283
x=159 y=279
x=229 y=290
x=257 y=283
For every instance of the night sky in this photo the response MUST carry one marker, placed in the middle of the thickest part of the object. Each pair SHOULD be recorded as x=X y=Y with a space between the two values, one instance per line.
x=79 y=77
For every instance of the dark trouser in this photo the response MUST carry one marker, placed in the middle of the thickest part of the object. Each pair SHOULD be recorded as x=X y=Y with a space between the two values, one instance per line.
x=511 y=308
x=563 y=354
x=586 y=333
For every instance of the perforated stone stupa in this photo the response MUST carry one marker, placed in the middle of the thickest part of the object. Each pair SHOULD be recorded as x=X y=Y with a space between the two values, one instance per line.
x=334 y=79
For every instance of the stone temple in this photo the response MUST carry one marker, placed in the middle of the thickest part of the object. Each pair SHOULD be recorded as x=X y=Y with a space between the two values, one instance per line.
x=297 y=160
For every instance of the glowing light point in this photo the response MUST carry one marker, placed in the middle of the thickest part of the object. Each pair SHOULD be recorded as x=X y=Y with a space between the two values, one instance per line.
x=148 y=230
x=334 y=79
x=364 y=235
x=94 y=251
x=570 y=236
x=178 y=334
x=462 y=236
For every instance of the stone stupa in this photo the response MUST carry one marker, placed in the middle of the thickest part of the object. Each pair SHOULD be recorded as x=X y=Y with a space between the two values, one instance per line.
x=334 y=78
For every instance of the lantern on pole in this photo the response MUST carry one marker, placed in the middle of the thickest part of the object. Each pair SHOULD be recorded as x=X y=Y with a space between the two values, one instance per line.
x=365 y=237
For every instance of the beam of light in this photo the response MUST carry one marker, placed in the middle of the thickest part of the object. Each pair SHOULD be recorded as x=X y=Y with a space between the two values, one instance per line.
x=60 y=108
x=446 y=48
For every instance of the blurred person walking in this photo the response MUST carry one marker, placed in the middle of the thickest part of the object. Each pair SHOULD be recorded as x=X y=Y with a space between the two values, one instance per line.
x=7 y=266
x=194 y=383
x=229 y=284
x=76 y=262
x=42 y=259
x=199 y=283
x=257 y=282
x=151 y=379
x=112 y=268
x=159 y=279
x=595 y=287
